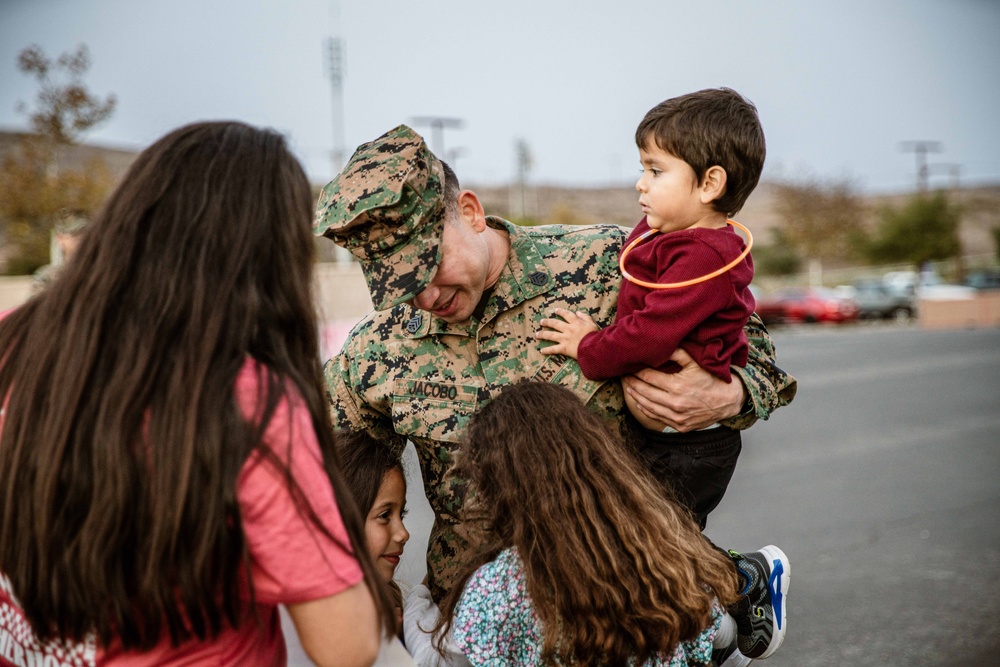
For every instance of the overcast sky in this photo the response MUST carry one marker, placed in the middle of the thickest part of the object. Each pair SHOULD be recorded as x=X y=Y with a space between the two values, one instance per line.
x=839 y=84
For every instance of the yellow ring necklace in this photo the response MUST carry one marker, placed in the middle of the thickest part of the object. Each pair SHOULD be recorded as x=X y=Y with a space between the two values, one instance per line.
x=683 y=283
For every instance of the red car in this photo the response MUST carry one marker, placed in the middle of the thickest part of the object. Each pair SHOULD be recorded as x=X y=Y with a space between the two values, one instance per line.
x=806 y=304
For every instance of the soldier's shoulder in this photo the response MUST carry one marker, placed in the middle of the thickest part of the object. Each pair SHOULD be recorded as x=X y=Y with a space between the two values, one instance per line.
x=578 y=233
x=573 y=242
x=43 y=277
x=44 y=273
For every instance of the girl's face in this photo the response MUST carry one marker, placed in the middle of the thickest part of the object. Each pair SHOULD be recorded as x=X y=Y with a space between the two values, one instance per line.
x=384 y=529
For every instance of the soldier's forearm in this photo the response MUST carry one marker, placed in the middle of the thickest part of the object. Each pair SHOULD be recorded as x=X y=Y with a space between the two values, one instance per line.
x=767 y=386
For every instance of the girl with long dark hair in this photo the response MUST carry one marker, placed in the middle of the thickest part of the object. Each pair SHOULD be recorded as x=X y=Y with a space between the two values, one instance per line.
x=375 y=476
x=587 y=562
x=162 y=483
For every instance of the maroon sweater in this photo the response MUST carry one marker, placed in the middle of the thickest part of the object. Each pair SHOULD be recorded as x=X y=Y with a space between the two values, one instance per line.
x=705 y=319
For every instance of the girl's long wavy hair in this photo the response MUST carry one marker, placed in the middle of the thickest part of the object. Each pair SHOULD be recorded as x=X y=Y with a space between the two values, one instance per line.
x=615 y=569
x=122 y=439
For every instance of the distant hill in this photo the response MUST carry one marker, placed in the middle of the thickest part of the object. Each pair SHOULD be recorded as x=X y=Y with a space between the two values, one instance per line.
x=117 y=160
x=981 y=209
x=619 y=205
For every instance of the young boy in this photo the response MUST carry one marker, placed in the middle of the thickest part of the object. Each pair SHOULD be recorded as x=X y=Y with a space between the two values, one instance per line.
x=687 y=275
x=701 y=155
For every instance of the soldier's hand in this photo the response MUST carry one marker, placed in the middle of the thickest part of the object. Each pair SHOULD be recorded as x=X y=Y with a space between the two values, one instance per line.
x=687 y=400
x=566 y=332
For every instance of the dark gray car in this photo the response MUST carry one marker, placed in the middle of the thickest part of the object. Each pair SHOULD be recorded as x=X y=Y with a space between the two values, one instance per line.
x=876 y=300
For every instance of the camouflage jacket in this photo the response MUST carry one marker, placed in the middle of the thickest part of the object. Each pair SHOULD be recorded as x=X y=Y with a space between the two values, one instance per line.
x=404 y=374
x=43 y=277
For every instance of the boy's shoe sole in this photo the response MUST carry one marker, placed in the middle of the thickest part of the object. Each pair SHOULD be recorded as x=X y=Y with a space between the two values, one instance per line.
x=762 y=614
x=729 y=657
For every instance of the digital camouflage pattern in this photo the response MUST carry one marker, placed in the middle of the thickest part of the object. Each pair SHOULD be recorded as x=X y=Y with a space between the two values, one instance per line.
x=43 y=277
x=387 y=208
x=71 y=222
x=404 y=374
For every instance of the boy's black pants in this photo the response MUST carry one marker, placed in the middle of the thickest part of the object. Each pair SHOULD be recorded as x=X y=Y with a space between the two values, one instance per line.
x=696 y=466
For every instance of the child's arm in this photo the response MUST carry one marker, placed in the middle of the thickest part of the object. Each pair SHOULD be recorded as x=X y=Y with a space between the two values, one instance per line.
x=645 y=338
x=567 y=332
x=420 y=616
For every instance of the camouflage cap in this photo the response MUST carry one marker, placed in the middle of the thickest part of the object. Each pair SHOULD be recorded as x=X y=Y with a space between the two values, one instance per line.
x=387 y=207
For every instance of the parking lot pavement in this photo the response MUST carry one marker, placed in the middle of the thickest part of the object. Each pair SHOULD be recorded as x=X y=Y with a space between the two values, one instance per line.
x=882 y=483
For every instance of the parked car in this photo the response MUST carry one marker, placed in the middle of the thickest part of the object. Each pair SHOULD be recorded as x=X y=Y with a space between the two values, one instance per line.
x=768 y=308
x=982 y=279
x=877 y=300
x=927 y=285
x=806 y=304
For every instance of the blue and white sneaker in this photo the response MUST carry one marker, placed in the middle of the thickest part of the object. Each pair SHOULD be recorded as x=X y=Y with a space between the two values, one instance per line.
x=761 y=614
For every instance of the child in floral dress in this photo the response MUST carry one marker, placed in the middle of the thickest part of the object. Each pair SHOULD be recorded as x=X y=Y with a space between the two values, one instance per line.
x=587 y=562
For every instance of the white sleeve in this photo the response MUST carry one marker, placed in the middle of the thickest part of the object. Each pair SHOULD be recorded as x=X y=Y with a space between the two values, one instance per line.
x=392 y=654
x=420 y=615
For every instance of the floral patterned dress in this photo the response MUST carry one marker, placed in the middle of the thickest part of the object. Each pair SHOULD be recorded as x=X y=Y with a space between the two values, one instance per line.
x=496 y=625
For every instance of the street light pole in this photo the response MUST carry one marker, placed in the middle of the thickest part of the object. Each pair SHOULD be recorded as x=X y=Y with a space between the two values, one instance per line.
x=334 y=51
x=921 y=149
x=437 y=124
x=333 y=61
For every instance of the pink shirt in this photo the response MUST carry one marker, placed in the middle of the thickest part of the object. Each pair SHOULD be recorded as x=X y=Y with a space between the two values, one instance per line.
x=290 y=561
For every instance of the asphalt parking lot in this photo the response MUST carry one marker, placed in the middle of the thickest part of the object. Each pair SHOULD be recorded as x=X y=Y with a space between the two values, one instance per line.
x=882 y=483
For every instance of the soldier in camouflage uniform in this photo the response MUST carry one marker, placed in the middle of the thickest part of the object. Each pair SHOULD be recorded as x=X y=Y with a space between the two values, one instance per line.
x=458 y=297
x=67 y=230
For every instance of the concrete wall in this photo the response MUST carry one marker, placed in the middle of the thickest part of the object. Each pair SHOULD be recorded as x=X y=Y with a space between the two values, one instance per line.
x=980 y=311
x=343 y=293
x=14 y=290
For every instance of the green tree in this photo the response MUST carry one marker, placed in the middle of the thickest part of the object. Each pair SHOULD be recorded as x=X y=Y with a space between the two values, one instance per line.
x=34 y=185
x=924 y=230
x=995 y=231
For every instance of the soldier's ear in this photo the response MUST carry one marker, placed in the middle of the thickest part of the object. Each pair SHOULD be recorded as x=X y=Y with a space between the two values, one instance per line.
x=471 y=211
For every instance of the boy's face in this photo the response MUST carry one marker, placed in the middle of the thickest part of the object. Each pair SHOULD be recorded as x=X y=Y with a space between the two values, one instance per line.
x=668 y=192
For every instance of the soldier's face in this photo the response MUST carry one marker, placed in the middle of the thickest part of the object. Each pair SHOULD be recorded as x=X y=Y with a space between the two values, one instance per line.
x=462 y=275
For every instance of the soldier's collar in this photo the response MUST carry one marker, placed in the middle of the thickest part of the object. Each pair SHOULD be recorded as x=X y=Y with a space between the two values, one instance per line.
x=526 y=274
